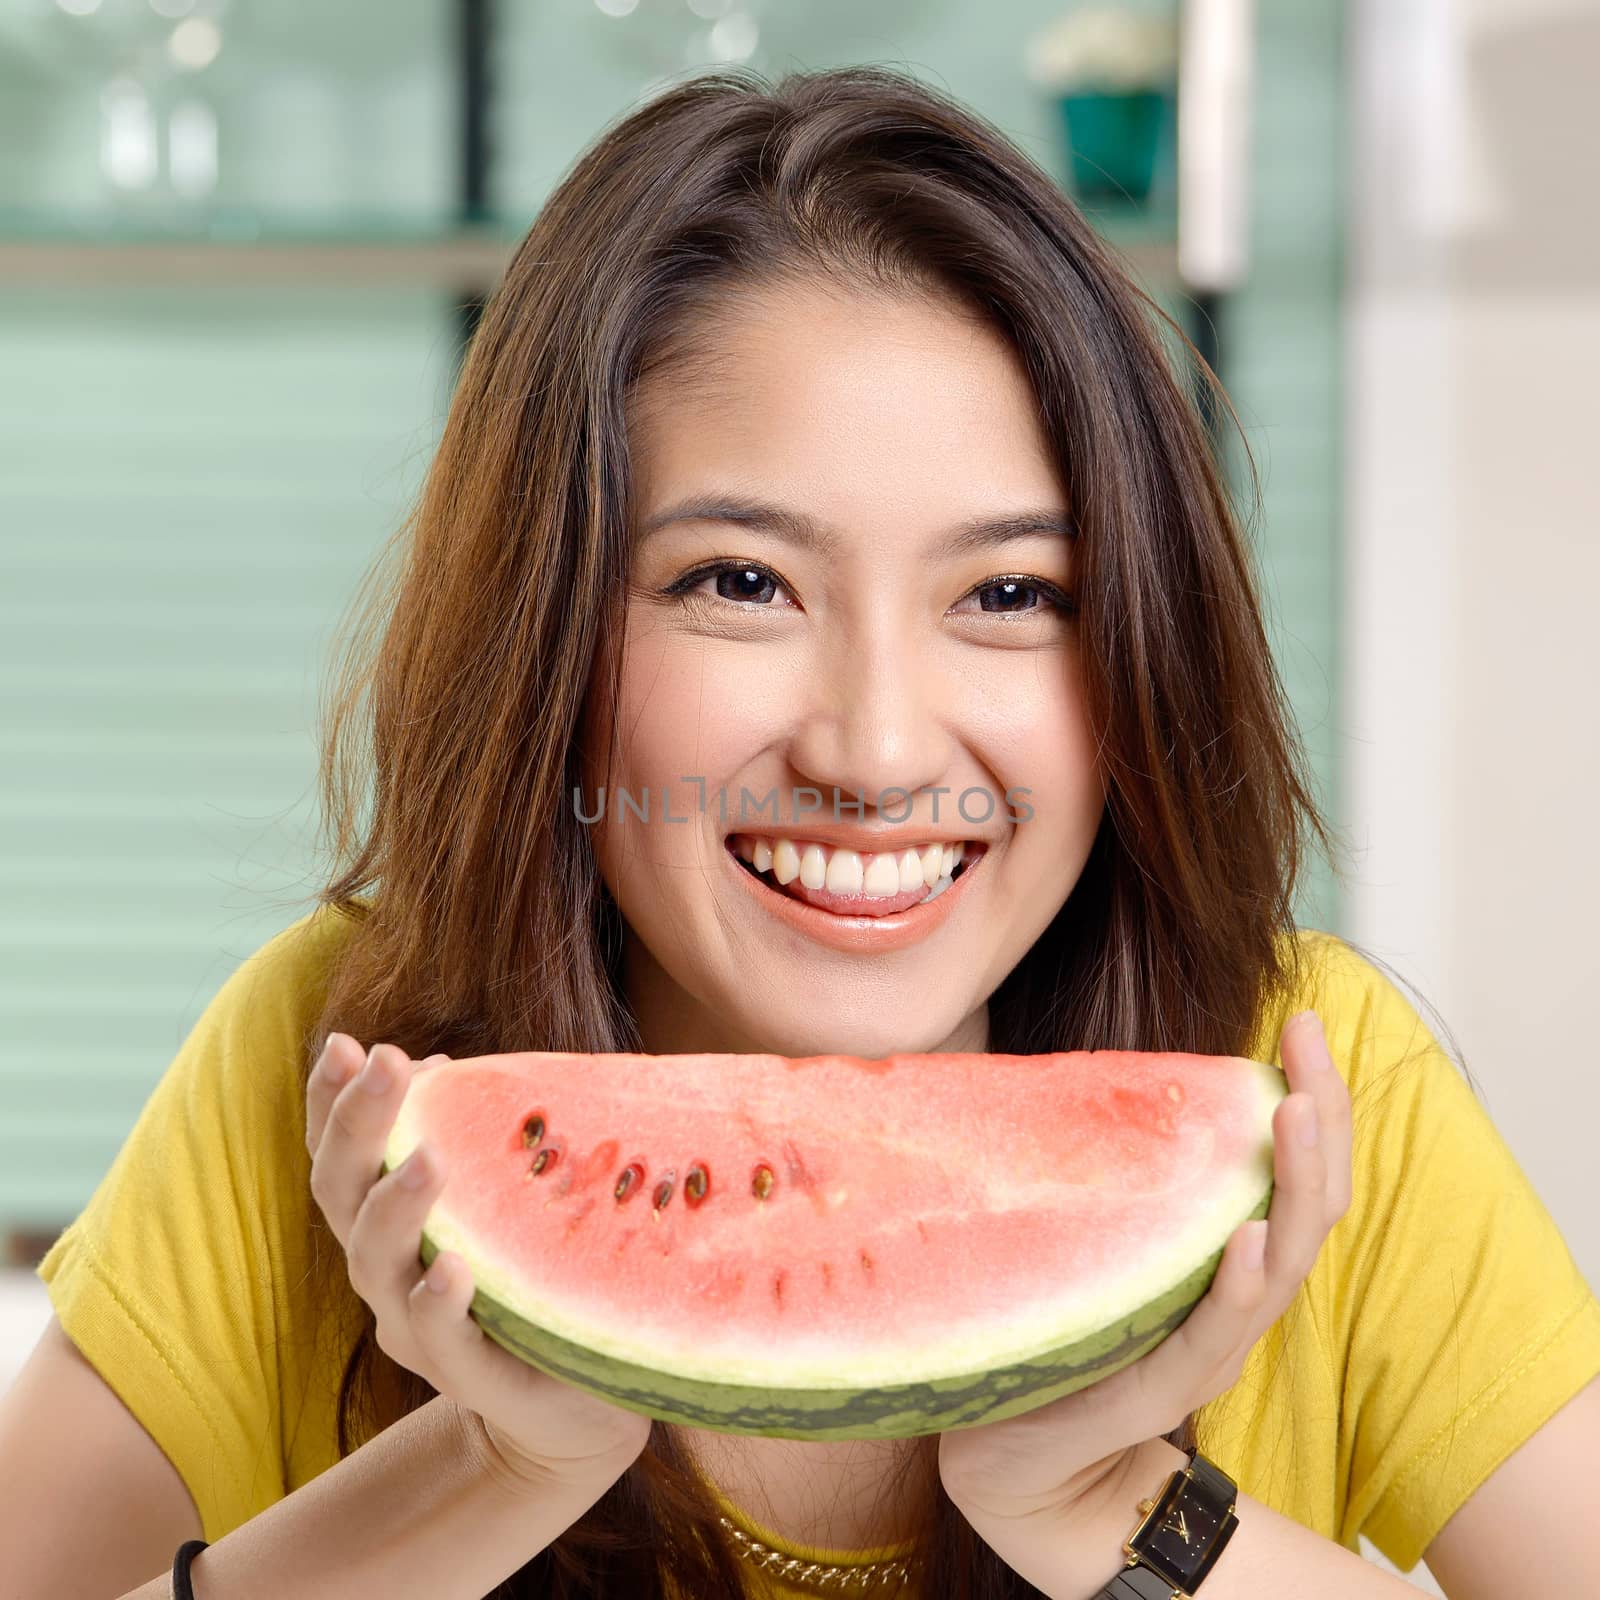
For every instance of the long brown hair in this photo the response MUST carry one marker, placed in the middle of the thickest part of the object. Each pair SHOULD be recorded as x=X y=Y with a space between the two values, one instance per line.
x=491 y=928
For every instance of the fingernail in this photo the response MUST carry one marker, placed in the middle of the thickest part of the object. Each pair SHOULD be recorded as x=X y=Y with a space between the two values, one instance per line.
x=1254 y=1248
x=434 y=1277
x=1311 y=1023
x=414 y=1169
x=1308 y=1126
x=376 y=1075
x=335 y=1063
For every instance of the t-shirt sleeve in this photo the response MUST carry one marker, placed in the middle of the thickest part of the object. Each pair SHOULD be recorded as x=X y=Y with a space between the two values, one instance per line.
x=166 y=1280
x=1461 y=1322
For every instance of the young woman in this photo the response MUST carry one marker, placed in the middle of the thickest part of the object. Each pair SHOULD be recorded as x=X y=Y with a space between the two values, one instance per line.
x=812 y=445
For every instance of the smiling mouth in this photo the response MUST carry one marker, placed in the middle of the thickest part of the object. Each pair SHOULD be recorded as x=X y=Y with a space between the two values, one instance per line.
x=849 y=883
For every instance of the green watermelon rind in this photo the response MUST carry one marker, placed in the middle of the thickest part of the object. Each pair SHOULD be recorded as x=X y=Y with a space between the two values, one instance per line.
x=895 y=1411
x=843 y=1409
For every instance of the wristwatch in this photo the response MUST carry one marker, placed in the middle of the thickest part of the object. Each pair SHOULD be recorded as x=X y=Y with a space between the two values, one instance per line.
x=1183 y=1532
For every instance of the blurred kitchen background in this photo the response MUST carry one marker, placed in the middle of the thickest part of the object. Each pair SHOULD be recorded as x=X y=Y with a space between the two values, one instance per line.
x=242 y=242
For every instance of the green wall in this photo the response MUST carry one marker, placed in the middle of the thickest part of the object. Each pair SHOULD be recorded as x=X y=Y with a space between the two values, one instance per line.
x=190 y=486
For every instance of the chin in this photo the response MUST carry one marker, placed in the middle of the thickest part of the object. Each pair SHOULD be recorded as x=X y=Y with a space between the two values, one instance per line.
x=803 y=1036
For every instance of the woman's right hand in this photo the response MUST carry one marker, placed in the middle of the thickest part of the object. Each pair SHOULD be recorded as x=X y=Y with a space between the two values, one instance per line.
x=536 y=1428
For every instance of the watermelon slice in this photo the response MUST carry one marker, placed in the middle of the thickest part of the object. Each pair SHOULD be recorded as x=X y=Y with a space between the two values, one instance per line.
x=835 y=1247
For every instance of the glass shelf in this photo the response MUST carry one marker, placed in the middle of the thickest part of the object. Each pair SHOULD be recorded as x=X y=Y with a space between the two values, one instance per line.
x=227 y=225
x=243 y=249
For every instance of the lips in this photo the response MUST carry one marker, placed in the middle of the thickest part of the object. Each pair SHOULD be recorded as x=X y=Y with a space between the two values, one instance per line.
x=805 y=927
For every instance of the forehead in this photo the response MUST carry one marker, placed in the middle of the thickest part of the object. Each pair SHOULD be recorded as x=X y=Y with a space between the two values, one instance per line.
x=849 y=406
x=809 y=331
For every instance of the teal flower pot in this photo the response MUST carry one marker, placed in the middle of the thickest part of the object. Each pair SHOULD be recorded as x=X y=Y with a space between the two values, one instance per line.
x=1112 y=140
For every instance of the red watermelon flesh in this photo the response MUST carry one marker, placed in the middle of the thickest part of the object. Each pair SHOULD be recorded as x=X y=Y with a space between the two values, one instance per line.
x=833 y=1246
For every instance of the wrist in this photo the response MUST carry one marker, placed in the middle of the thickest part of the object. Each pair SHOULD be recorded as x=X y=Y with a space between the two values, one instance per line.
x=523 y=1477
x=1183 y=1507
x=515 y=1476
x=1095 y=1527
x=1071 y=1550
x=1140 y=1474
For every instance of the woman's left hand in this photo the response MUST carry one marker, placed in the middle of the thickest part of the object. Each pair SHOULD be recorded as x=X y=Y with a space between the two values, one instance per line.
x=1042 y=1464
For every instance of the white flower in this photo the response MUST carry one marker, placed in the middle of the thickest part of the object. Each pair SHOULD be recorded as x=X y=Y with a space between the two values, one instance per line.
x=1103 y=48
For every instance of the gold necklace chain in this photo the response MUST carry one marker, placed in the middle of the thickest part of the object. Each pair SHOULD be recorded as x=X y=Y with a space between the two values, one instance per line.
x=893 y=1573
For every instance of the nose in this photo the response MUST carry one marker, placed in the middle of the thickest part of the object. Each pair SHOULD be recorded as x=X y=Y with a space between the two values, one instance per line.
x=874 y=717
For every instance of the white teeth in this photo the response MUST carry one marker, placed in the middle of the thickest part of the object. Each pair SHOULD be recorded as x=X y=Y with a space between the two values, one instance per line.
x=785 y=861
x=844 y=873
x=813 y=867
x=883 y=877
x=910 y=871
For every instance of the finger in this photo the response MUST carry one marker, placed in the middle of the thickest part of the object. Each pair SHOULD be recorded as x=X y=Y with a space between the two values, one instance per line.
x=1202 y=1356
x=1298 y=1216
x=1218 y=1333
x=447 y=1336
x=341 y=1058
x=349 y=1156
x=384 y=1252
x=1310 y=1066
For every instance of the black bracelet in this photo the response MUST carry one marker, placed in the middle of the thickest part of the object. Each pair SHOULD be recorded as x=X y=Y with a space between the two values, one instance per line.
x=182 y=1587
x=1138 y=1583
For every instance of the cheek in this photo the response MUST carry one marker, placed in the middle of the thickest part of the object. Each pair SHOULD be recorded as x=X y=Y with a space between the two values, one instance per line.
x=691 y=709
x=687 y=722
x=1038 y=736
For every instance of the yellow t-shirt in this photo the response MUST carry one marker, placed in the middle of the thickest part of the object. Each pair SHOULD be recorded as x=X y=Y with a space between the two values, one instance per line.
x=1444 y=1322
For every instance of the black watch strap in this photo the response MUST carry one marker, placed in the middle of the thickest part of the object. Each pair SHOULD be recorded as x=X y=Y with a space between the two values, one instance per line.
x=1212 y=1479
x=1138 y=1583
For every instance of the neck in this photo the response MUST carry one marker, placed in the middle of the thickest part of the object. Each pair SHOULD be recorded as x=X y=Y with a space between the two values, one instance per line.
x=839 y=1494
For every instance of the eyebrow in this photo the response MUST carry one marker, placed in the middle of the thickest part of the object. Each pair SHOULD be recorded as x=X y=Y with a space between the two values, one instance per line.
x=807 y=533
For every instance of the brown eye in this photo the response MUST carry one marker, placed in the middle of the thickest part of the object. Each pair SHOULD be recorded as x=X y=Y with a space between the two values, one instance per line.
x=744 y=584
x=1008 y=596
x=1021 y=596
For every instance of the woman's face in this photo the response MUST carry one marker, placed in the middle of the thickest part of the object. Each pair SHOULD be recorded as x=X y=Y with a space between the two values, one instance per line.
x=878 y=660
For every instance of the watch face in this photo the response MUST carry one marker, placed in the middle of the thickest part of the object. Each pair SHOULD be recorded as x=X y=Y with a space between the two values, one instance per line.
x=1180 y=1537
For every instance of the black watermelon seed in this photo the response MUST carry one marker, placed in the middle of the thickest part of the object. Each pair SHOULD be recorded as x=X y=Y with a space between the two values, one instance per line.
x=532 y=1131
x=696 y=1184
x=632 y=1177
